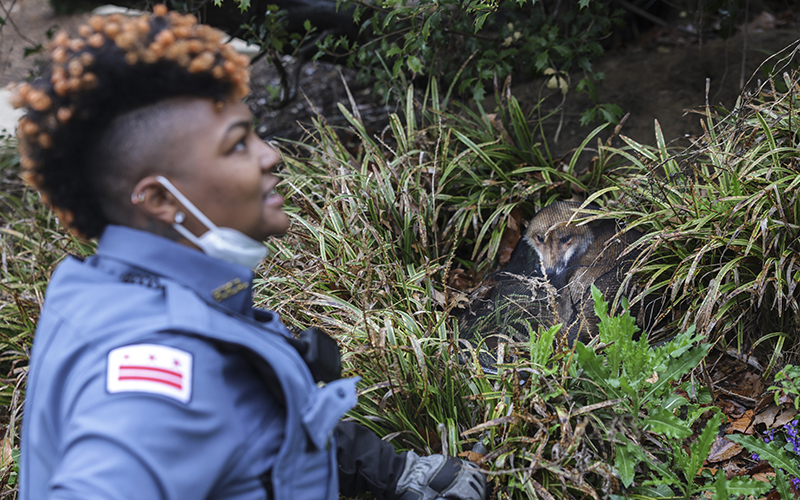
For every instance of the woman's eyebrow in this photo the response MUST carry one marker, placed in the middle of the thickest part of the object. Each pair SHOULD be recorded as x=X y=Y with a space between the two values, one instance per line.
x=246 y=124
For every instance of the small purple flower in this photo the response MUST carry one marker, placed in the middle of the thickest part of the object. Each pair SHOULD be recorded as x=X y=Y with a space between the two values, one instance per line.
x=796 y=482
x=754 y=456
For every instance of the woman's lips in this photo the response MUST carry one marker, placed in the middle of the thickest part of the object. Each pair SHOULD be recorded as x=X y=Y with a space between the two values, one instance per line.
x=273 y=199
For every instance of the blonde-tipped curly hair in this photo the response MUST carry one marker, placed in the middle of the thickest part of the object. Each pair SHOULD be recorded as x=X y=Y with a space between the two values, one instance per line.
x=115 y=65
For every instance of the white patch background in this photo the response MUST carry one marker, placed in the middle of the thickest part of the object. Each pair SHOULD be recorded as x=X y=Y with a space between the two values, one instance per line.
x=151 y=368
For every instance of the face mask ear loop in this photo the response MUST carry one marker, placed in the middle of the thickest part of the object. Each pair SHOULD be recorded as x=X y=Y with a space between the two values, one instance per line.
x=186 y=234
x=186 y=203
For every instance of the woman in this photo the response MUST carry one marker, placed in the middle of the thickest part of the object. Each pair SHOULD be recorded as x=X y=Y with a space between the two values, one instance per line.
x=152 y=376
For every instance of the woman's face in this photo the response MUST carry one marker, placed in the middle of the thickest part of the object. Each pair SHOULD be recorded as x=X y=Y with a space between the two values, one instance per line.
x=225 y=169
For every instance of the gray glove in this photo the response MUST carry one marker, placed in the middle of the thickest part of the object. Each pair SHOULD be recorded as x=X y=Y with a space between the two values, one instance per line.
x=440 y=477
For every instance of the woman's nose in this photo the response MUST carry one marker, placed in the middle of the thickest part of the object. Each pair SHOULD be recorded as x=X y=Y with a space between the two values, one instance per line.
x=269 y=158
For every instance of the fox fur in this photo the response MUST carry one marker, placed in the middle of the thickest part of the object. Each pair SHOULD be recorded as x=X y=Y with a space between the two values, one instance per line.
x=549 y=276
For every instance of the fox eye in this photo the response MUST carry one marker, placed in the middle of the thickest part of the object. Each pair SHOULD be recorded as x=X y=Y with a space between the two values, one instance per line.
x=565 y=239
x=539 y=238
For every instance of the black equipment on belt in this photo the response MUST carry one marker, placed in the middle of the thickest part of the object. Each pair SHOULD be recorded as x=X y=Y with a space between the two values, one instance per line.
x=321 y=354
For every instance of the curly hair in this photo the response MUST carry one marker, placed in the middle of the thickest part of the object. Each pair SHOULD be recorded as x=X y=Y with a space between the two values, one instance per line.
x=115 y=66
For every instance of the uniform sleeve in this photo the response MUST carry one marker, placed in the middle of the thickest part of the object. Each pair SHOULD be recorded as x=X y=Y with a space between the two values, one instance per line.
x=133 y=445
x=366 y=462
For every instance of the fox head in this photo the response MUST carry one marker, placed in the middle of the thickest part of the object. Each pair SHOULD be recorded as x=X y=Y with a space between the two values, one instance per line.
x=556 y=242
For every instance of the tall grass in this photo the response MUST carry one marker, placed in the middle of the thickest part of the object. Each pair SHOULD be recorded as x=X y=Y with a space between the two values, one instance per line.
x=32 y=245
x=377 y=233
x=381 y=228
x=722 y=220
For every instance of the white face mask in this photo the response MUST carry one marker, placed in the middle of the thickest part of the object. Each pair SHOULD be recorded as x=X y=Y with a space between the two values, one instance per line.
x=223 y=243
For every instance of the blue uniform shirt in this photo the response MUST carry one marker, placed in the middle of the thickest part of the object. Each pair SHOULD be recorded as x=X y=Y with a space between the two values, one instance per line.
x=153 y=378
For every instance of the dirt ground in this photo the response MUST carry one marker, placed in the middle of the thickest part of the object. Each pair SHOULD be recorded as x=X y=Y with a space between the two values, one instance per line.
x=666 y=79
x=659 y=78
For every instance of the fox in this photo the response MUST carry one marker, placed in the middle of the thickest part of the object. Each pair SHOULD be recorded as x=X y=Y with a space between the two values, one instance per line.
x=573 y=256
x=548 y=278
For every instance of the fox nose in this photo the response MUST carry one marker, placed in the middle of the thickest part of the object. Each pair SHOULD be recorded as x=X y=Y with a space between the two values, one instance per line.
x=555 y=276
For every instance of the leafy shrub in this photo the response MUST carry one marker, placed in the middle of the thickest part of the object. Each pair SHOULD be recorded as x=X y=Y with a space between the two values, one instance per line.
x=480 y=40
x=787 y=380
x=639 y=378
x=472 y=44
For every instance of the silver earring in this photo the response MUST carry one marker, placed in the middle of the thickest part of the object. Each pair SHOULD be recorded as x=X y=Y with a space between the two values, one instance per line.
x=180 y=217
x=137 y=198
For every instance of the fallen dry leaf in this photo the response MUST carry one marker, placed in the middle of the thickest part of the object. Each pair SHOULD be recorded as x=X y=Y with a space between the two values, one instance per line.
x=7 y=449
x=471 y=456
x=747 y=384
x=786 y=416
x=731 y=408
x=785 y=399
x=460 y=280
x=497 y=125
x=767 y=400
x=460 y=301
x=767 y=417
x=722 y=449
x=510 y=237
x=763 y=476
x=743 y=425
x=440 y=298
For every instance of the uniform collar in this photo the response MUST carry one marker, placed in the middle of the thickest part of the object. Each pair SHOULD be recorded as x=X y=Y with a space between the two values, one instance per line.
x=214 y=280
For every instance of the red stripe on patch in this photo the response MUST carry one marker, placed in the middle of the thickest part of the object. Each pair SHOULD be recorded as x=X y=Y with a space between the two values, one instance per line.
x=151 y=379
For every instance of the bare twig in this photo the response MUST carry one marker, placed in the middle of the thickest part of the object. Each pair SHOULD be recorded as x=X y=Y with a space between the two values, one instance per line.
x=7 y=13
x=744 y=49
x=650 y=17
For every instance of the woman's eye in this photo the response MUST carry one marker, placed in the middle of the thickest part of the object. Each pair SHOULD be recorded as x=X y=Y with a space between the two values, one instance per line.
x=539 y=238
x=240 y=146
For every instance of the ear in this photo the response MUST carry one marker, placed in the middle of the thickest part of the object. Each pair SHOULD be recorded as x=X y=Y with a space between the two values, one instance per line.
x=152 y=200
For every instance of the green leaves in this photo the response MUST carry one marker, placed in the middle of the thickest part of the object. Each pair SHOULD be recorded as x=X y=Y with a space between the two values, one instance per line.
x=665 y=423
x=625 y=460
x=787 y=384
x=777 y=457
x=698 y=452
x=542 y=343
x=628 y=369
x=467 y=43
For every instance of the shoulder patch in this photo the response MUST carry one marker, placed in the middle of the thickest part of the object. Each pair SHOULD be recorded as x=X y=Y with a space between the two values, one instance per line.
x=152 y=368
